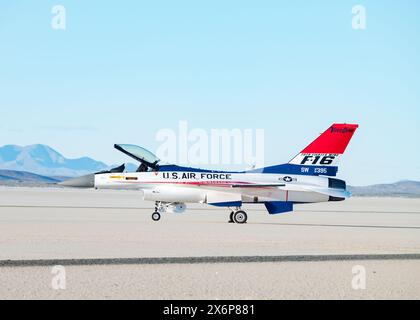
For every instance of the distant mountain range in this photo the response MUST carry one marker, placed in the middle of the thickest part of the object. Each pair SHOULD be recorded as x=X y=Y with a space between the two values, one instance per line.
x=43 y=160
x=398 y=189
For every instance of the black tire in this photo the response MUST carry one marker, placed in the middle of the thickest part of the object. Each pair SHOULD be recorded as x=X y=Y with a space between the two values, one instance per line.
x=231 y=220
x=240 y=217
x=156 y=216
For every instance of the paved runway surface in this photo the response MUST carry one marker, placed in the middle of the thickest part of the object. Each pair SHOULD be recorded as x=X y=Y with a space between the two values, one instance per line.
x=112 y=249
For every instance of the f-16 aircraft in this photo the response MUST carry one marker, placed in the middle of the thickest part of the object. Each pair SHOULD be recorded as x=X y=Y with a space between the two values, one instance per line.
x=307 y=178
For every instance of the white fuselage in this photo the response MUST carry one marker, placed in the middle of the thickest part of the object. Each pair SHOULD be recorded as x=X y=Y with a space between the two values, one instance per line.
x=209 y=187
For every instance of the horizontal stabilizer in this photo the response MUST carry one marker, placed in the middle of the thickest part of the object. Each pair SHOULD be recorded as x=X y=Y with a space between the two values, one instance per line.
x=332 y=192
x=336 y=193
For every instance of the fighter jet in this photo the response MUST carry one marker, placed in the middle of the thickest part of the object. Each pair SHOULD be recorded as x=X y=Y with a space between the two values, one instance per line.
x=307 y=178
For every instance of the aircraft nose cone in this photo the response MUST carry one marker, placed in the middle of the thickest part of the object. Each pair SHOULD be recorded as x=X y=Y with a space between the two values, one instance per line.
x=87 y=181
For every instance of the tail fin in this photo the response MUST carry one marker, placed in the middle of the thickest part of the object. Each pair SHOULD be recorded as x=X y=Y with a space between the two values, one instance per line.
x=327 y=149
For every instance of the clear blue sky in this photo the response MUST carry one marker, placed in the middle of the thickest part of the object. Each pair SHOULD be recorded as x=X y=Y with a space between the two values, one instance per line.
x=123 y=70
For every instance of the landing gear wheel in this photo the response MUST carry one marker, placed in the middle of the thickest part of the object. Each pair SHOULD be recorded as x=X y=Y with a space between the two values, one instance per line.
x=231 y=220
x=156 y=216
x=240 y=217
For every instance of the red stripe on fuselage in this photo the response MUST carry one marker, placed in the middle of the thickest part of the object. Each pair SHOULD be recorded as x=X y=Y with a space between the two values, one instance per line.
x=210 y=183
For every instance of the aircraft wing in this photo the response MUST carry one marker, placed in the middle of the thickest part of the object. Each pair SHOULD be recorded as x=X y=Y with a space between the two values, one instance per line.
x=268 y=190
x=338 y=193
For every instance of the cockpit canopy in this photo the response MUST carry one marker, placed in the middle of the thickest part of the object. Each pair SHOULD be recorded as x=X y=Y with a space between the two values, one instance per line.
x=147 y=159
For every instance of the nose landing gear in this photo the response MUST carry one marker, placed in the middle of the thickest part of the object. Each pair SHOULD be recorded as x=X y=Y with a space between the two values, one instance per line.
x=156 y=216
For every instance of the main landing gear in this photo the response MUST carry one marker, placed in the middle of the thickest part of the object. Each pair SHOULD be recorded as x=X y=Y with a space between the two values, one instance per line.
x=156 y=216
x=238 y=216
